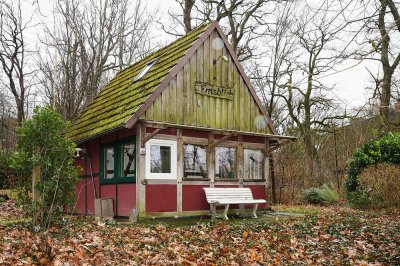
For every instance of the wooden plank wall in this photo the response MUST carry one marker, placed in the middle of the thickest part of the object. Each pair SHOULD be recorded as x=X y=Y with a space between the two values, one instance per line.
x=179 y=104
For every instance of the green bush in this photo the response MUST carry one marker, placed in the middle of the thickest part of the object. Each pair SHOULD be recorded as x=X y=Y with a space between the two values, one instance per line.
x=42 y=143
x=385 y=149
x=359 y=199
x=382 y=150
x=322 y=195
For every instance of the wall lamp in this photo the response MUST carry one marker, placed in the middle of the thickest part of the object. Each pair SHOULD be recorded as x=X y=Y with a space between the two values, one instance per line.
x=223 y=57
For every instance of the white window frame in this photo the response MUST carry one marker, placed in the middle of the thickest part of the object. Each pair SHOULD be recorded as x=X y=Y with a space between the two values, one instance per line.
x=174 y=159
x=260 y=171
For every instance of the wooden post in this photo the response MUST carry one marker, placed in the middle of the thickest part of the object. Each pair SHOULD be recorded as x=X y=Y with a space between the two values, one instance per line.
x=240 y=167
x=36 y=195
x=140 y=170
x=240 y=161
x=179 y=170
x=267 y=171
x=336 y=160
x=272 y=173
x=211 y=159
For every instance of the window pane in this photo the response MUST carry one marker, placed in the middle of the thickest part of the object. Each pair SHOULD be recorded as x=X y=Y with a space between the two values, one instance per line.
x=225 y=162
x=160 y=159
x=195 y=161
x=109 y=163
x=128 y=160
x=253 y=164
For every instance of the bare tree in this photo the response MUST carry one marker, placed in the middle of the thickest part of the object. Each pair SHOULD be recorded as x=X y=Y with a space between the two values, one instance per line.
x=382 y=32
x=271 y=71
x=8 y=122
x=13 y=54
x=386 y=55
x=183 y=19
x=242 y=21
x=313 y=52
x=90 y=40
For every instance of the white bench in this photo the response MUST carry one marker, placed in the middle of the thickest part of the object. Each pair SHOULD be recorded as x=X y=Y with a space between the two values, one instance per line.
x=228 y=196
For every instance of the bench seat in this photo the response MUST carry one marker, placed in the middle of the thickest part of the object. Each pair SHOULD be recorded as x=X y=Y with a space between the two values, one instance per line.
x=239 y=201
x=228 y=196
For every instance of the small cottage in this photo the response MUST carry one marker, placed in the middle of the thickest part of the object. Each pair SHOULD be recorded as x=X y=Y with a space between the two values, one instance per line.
x=183 y=118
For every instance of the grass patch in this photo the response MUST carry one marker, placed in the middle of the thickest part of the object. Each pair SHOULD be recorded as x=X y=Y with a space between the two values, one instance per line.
x=303 y=209
x=12 y=194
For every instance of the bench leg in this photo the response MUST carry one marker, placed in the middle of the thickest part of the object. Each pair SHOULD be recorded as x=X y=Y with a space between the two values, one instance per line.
x=213 y=209
x=225 y=214
x=241 y=210
x=255 y=210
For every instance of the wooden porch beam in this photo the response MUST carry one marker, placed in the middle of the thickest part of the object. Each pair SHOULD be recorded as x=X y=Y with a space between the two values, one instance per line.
x=156 y=125
x=146 y=138
x=224 y=133
x=218 y=141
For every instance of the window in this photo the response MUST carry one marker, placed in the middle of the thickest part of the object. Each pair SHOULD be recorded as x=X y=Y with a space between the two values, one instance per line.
x=253 y=164
x=194 y=161
x=161 y=159
x=144 y=70
x=118 y=162
x=128 y=160
x=109 y=163
x=225 y=162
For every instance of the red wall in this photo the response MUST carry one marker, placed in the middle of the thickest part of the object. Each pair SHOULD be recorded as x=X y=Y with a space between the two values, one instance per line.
x=80 y=195
x=124 y=193
x=90 y=193
x=258 y=193
x=193 y=198
x=253 y=139
x=161 y=198
x=126 y=199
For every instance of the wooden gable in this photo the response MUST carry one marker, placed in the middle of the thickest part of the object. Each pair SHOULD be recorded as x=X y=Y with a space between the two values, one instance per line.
x=227 y=101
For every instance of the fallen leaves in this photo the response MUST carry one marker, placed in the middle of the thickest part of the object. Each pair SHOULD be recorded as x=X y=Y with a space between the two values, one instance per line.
x=334 y=236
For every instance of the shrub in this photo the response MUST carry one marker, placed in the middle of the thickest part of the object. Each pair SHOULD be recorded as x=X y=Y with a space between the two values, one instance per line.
x=359 y=199
x=7 y=174
x=381 y=183
x=41 y=142
x=382 y=150
x=311 y=196
x=321 y=195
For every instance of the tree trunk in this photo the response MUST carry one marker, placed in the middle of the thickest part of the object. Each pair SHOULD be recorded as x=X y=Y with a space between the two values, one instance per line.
x=385 y=97
x=187 y=15
x=272 y=176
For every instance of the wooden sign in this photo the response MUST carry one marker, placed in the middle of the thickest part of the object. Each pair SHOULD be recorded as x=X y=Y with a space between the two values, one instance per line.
x=214 y=91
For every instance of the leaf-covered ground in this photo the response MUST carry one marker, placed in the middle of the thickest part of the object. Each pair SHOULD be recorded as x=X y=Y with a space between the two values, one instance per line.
x=325 y=236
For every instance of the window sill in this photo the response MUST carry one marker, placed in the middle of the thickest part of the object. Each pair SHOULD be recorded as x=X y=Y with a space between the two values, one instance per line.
x=117 y=180
x=254 y=180
x=226 y=180
x=195 y=179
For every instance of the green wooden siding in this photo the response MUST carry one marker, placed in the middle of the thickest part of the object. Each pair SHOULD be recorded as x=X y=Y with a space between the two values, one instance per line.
x=180 y=104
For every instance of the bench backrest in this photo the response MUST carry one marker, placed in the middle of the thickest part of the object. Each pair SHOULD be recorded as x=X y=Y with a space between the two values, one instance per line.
x=216 y=194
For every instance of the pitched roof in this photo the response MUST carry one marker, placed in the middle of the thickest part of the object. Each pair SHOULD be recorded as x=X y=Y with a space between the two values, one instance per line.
x=121 y=98
x=121 y=103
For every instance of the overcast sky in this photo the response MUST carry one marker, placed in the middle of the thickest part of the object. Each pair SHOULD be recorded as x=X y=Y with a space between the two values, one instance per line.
x=349 y=84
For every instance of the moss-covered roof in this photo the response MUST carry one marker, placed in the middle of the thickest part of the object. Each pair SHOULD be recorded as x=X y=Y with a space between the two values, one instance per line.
x=121 y=98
